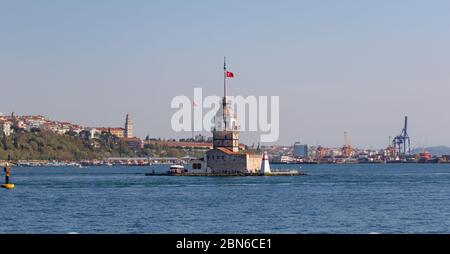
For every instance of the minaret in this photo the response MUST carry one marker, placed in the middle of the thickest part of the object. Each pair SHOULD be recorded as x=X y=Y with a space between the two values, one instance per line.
x=265 y=167
x=128 y=127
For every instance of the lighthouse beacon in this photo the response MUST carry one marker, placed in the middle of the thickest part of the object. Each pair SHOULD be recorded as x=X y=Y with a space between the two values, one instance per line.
x=265 y=167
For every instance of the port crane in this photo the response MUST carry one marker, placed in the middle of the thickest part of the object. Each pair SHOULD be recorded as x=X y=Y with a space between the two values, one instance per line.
x=402 y=142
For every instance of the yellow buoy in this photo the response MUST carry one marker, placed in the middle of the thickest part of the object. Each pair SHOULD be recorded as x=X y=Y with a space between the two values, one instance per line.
x=8 y=186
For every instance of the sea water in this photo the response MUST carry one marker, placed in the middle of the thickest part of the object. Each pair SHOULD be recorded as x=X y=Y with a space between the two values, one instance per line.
x=331 y=198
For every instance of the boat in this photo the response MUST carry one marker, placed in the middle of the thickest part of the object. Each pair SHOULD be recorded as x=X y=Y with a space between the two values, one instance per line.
x=424 y=156
x=176 y=169
x=434 y=160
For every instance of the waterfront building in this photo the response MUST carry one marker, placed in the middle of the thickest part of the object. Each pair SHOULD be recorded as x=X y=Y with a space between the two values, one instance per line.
x=225 y=161
x=300 y=150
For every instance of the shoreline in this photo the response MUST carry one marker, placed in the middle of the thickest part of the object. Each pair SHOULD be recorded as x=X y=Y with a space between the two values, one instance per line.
x=82 y=165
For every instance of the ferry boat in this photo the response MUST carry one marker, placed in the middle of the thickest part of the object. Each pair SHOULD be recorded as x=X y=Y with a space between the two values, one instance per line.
x=176 y=169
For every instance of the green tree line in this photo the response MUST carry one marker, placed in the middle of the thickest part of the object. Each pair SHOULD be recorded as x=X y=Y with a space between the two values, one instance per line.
x=46 y=145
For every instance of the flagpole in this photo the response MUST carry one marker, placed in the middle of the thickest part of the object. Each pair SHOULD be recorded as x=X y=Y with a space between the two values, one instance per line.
x=224 y=91
x=193 y=119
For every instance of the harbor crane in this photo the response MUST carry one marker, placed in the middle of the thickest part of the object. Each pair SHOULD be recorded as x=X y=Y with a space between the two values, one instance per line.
x=402 y=142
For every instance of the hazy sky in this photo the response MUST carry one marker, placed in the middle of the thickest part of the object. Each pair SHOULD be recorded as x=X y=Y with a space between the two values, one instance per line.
x=358 y=66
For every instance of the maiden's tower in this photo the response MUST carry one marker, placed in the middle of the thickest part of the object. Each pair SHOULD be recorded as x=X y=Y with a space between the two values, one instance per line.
x=227 y=156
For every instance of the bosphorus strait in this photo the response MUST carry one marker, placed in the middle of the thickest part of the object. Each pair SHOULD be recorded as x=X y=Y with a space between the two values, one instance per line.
x=330 y=198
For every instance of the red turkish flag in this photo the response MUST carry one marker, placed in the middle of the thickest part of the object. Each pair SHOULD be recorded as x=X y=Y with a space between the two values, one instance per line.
x=229 y=74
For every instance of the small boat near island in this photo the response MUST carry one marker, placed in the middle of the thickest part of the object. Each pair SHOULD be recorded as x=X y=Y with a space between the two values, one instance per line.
x=177 y=169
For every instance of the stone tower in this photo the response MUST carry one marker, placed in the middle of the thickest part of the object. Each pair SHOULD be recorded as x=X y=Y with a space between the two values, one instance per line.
x=225 y=132
x=128 y=127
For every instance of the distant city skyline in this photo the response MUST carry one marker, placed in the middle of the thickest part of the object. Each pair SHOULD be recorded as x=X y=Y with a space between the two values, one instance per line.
x=340 y=66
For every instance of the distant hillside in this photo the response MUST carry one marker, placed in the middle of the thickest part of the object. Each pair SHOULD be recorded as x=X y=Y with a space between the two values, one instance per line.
x=22 y=145
x=46 y=145
x=434 y=150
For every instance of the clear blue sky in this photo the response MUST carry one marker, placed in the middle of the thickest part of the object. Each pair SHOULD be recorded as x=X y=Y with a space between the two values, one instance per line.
x=358 y=66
